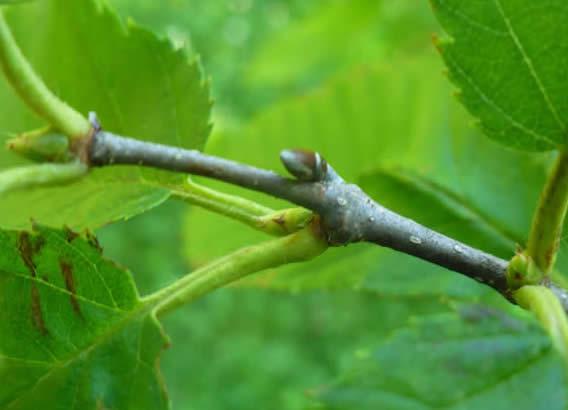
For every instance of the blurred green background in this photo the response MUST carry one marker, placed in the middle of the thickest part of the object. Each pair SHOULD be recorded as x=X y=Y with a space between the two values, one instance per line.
x=241 y=347
x=360 y=327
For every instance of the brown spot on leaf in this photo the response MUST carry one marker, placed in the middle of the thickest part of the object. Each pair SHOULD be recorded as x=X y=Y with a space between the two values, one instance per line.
x=45 y=278
x=37 y=315
x=26 y=250
x=67 y=272
x=93 y=241
x=35 y=225
x=38 y=244
x=69 y=234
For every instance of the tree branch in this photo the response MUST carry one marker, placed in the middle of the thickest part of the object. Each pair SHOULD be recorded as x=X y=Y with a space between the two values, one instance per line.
x=348 y=214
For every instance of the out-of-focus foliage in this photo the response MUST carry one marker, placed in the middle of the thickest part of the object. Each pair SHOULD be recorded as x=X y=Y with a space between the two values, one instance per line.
x=441 y=362
x=257 y=51
x=359 y=81
x=226 y=34
x=237 y=356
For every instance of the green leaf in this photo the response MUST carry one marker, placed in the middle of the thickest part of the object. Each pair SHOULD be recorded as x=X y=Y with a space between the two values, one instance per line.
x=506 y=57
x=139 y=85
x=476 y=359
x=74 y=333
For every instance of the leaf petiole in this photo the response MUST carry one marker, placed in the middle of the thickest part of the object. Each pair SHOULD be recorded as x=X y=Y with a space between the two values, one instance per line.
x=34 y=92
x=303 y=245
x=548 y=311
x=277 y=223
x=544 y=238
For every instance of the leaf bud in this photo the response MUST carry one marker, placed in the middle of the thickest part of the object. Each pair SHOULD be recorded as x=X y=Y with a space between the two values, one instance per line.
x=305 y=165
x=41 y=145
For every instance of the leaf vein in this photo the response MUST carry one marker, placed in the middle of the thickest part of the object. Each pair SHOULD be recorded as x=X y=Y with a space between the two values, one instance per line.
x=530 y=66
x=115 y=309
x=94 y=265
x=512 y=121
x=470 y=21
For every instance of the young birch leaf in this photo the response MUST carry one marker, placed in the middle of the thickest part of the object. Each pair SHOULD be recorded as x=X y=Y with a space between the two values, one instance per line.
x=73 y=332
x=509 y=60
x=138 y=85
x=478 y=358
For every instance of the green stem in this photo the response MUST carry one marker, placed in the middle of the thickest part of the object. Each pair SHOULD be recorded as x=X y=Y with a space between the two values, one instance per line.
x=277 y=223
x=33 y=90
x=549 y=312
x=303 y=245
x=548 y=220
x=39 y=175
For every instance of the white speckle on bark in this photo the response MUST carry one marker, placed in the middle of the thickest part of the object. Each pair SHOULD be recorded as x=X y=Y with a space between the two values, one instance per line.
x=415 y=240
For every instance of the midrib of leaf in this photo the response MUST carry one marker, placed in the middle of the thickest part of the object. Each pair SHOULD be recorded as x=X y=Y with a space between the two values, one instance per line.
x=529 y=64
x=459 y=340
x=470 y=395
x=496 y=383
x=26 y=361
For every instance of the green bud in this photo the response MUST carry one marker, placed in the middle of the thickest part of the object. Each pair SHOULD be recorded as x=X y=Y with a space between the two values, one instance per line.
x=522 y=271
x=42 y=145
x=286 y=221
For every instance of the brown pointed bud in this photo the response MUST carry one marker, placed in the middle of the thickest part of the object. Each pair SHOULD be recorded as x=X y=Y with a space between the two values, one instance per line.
x=304 y=165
